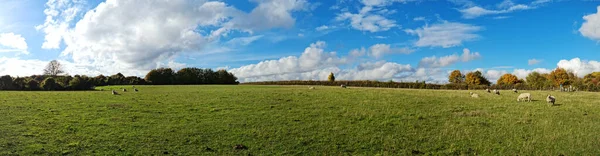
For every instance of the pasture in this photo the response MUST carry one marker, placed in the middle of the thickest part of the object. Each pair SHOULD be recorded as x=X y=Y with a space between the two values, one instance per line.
x=293 y=120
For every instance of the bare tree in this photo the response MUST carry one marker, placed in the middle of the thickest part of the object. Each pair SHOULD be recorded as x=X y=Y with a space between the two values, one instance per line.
x=53 y=68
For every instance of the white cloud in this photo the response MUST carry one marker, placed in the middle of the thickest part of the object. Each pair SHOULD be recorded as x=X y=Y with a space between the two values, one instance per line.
x=115 y=37
x=446 y=34
x=357 y=52
x=419 y=19
x=243 y=41
x=10 y=42
x=444 y=61
x=591 y=27
x=379 y=50
x=533 y=61
x=580 y=67
x=325 y=27
x=372 y=16
x=476 y=11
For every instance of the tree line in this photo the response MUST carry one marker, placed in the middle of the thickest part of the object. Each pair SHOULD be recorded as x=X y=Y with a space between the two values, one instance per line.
x=554 y=80
x=52 y=79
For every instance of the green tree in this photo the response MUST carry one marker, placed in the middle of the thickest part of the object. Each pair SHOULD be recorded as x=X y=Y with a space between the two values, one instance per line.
x=33 y=85
x=456 y=77
x=6 y=82
x=536 y=80
x=331 y=77
x=160 y=76
x=49 y=84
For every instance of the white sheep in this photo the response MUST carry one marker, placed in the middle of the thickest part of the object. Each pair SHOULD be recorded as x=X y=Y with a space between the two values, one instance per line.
x=497 y=92
x=515 y=90
x=124 y=90
x=311 y=87
x=550 y=99
x=526 y=96
x=487 y=90
x=473 y=95
x=114 y=92
x=343 y=86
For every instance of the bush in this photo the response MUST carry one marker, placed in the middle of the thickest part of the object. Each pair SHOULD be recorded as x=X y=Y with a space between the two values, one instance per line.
x=50 y=84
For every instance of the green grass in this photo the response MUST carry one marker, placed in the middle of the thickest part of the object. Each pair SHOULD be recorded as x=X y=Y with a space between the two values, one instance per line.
x=293 y=120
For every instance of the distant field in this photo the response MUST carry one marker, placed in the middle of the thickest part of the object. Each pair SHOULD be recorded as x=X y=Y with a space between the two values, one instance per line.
x=293 y=120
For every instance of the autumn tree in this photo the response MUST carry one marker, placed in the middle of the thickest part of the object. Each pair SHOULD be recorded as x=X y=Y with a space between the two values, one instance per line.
x=456 y=77
x=476 y=78
x=331 y=77
x=508 y=79
x=560 y=76
x=53 y=68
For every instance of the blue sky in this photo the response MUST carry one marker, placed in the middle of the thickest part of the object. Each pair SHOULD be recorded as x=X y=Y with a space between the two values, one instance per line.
x=259 y=40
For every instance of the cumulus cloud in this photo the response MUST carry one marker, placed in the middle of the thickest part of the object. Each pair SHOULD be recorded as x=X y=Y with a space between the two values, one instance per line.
x=591 y=27
x=446 y=34
x=533 y=61
x=115 y=37
x=315 y=64
x=379 y=50
x=579 y=67
x=10 y=42
x=444 y=61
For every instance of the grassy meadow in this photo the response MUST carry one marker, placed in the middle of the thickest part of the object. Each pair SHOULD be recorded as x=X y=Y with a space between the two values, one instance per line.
x=293 y=120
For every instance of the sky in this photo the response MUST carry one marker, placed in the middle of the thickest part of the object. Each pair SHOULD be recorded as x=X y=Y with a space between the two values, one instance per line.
x=265 y=40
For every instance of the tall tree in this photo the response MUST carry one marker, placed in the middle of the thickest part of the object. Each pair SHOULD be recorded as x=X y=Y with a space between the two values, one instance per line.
x=160 y=76
x=560 y=76
x=508 y=79
x=536 y=80
x=331 y=77
x=53 y=68
x=456 y=77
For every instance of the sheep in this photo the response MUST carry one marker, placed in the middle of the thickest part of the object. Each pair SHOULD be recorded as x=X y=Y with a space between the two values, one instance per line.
x=135 y=89
x=550 y=99
x=526 y=96
x=487 y=90
x=497 y=92
x=343 y=86
x=473 y=95
x=114 y=92
x=311 y=88
x=124 y=90
x=515 y=90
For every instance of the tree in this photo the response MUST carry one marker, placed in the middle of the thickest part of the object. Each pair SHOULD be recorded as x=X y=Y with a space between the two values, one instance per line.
x=456 y=77
x=560 y=76
x=160 y=76
x=536 y=80
x=476 y=78
x=49 y=84
x=331 y=77
x=53 y=68
x=19 y=83
x=508 y=79
x=188 y=76
x=6 y=82
x=32 y=85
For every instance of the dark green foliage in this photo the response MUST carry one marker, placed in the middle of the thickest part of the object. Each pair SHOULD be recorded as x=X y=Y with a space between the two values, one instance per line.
x=32 y=85
x=160 y=76
x=19 y=83
x=81 y=83
x=6 y=82
x=50 y=84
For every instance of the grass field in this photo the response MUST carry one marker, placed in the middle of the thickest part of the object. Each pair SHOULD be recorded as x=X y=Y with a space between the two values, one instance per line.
x=293 y=120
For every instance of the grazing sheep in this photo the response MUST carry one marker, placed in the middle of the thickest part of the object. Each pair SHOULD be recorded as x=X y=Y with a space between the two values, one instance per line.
x=497 y=92
x=473 y=95
x=526 y=96
x=550 y=99
x=311 y=88
x=124 y=90
x=515 y=90
x=135 y=89
x=114 y=92
x=487 y=90
x=343 y=86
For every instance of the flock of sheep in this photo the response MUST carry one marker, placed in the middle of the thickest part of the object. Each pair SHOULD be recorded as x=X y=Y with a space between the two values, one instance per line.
x=124 y=90
x=523 y=96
